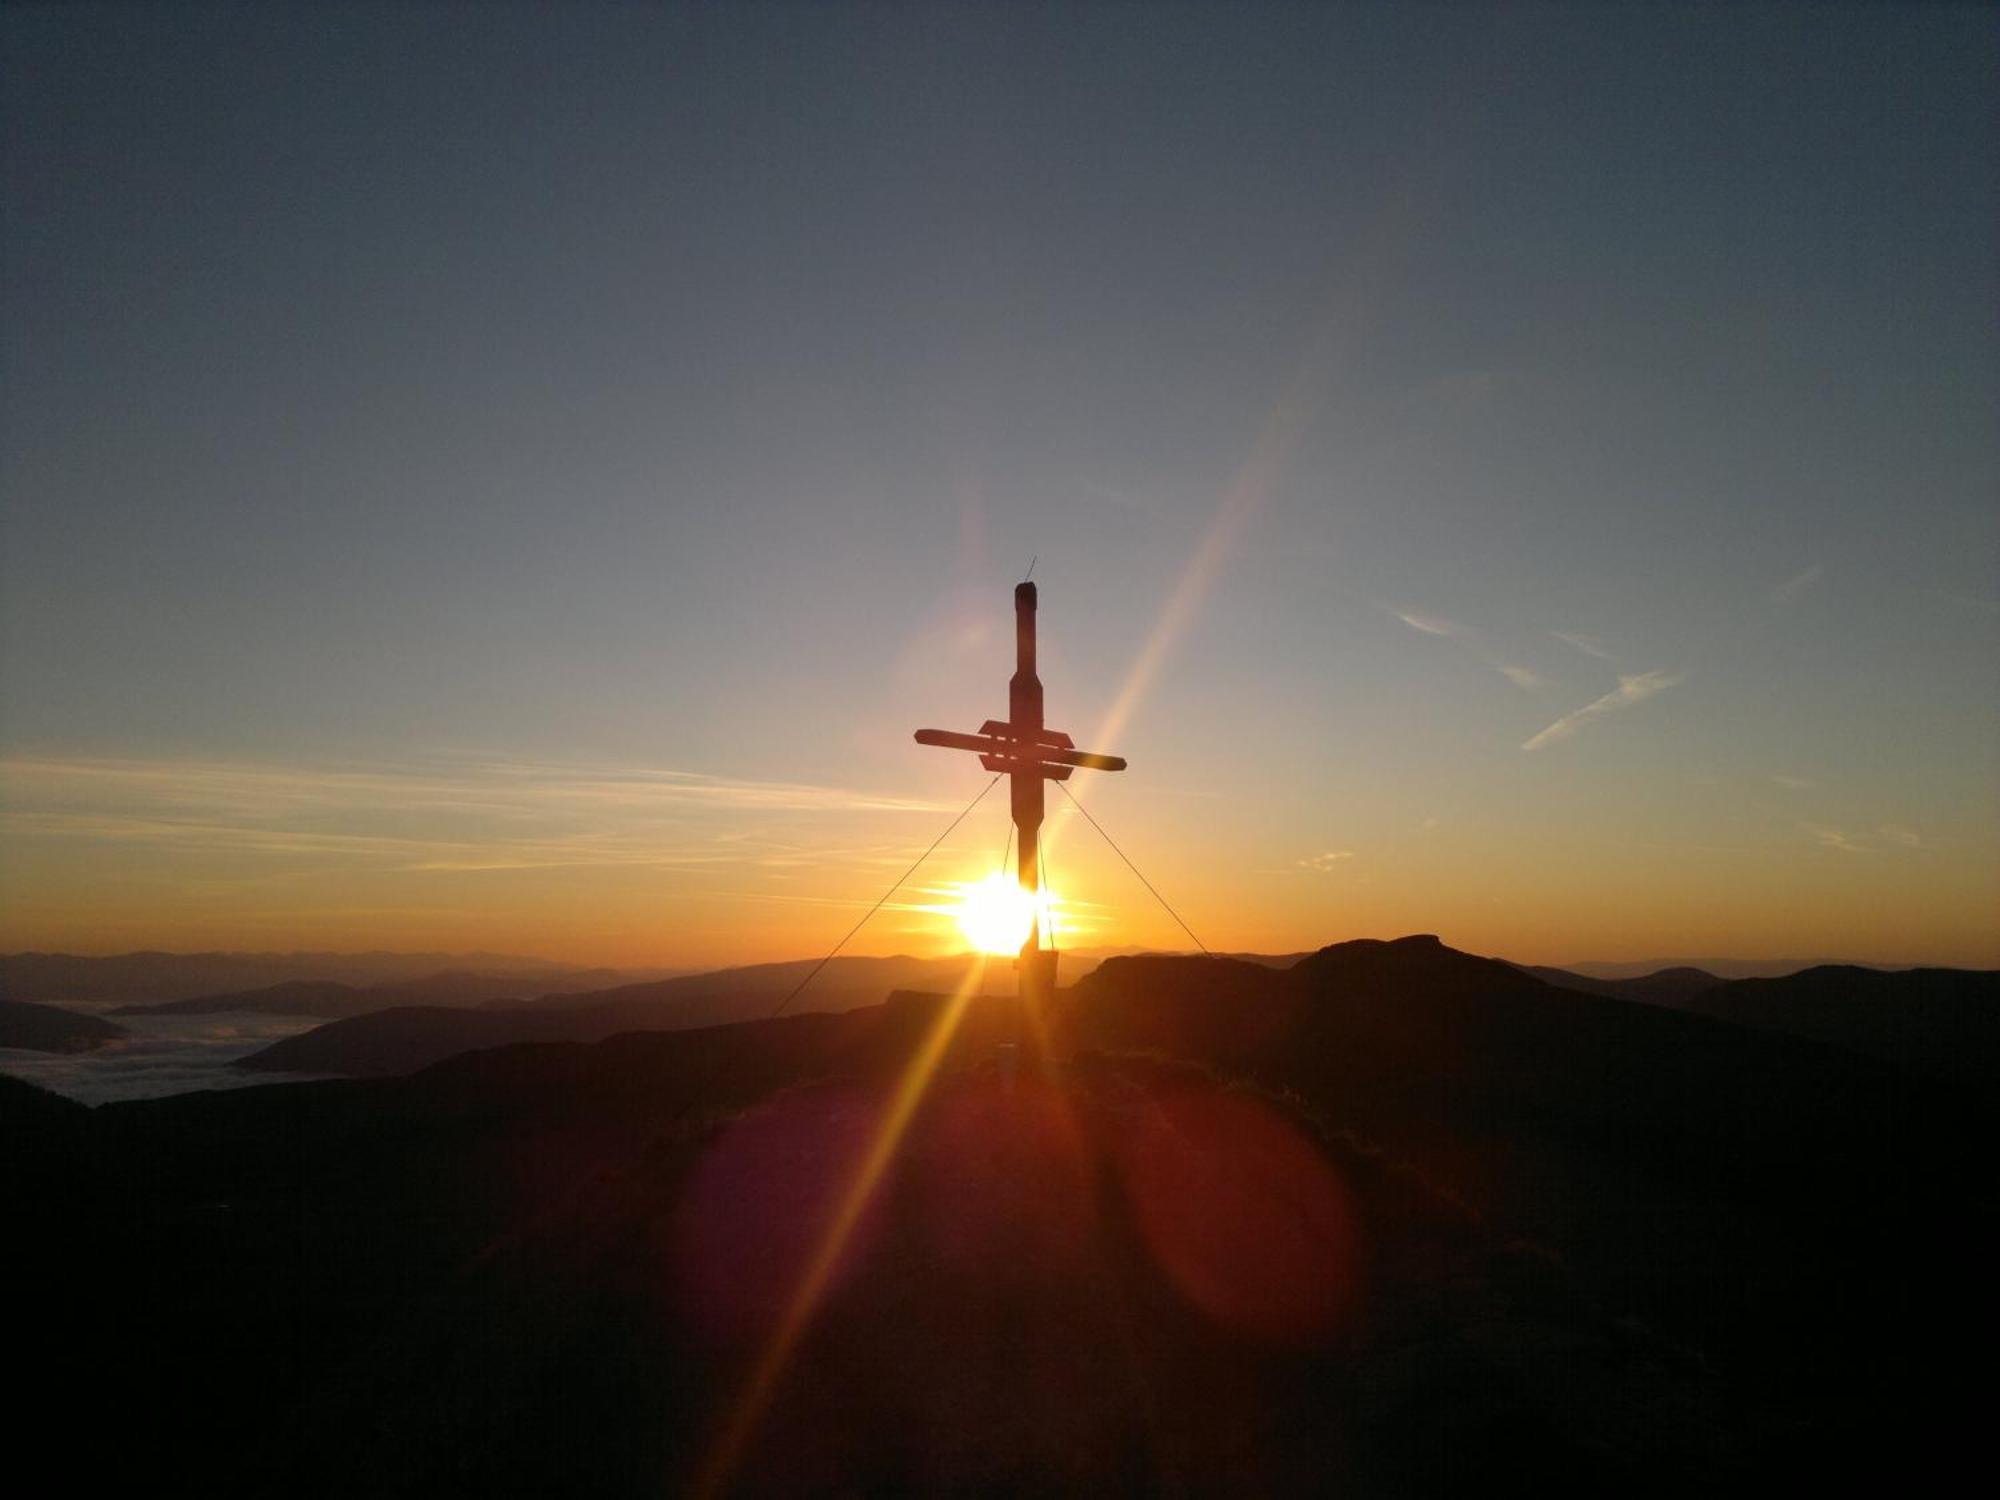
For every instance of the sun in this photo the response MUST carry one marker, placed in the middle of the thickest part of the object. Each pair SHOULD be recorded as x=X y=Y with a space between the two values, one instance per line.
x=995 y=913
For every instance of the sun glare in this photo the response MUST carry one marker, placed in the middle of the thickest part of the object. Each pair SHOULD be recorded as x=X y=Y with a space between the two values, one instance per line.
x=995 y=913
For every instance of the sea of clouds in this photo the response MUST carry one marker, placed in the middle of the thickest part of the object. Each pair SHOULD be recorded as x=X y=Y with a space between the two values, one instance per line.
x=163 y=1055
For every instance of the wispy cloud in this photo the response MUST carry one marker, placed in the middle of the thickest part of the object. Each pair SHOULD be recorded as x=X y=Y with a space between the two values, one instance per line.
x=1832 y=838
x=1792 y=783
x=1522 y=677
x=1428 y=624
x=1322 y=864
x=1588 y=645
x=1630 y=690
x=498 y=785
x=1797 y=584
x=1906 y=838
x=438 y=816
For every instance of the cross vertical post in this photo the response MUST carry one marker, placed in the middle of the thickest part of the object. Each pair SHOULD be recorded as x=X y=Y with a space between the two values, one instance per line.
x=1036 y=965
x=1029 y=753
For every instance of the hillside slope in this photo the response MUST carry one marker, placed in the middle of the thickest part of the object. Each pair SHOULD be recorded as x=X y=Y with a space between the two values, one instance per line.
x=1704 y=1175
x=50 y=1028
x=1940 y=1021
x=402 y=1040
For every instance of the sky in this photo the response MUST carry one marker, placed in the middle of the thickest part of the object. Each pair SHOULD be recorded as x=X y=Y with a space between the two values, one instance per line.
x=514 y=478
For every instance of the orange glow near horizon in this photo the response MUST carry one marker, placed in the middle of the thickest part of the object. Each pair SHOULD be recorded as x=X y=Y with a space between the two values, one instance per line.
x=633 y=871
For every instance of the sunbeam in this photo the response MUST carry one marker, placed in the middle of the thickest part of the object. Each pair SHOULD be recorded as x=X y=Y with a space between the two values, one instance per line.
x=1270 y=455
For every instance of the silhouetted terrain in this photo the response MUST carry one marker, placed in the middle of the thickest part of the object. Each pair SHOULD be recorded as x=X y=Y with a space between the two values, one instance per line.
x=775 y=981
x=403 y=1040
x=1397 y=1221
x=50 y=1028
x=1943 y=1021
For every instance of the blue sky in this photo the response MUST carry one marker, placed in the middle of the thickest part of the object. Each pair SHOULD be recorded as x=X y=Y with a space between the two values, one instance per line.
x=417 y=420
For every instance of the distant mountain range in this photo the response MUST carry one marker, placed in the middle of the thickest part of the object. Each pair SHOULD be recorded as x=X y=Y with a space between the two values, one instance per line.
x=1937 y=1021
x=1927 y=1018
x=155 y=978
x=1587 y=1246
x=332 y=1000
x=1672 y=986
x=151 y=978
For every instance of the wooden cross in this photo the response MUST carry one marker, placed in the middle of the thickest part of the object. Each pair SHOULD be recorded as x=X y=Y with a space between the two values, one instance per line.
x=1029 y=754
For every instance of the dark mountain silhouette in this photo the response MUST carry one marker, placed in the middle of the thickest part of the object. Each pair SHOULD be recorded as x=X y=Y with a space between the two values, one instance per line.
x=1941 y=1021
x=149 y=978
x=1666 y=987
x=1396 y=1221
x=402 y=1040
x=50 y=1028
x=1563 y=979
x=1422 y=1033
x=381 y=1043
x=331 y=1000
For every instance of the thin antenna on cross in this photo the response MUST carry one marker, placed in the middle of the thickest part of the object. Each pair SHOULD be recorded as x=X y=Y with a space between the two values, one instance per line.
x=1025 y=577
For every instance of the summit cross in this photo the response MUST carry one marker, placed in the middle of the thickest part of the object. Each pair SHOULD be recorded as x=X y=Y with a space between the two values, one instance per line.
x=1028 y=753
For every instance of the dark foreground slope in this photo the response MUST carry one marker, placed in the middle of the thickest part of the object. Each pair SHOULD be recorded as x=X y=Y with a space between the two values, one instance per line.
x=1805 y=1218
x=1474 y=1251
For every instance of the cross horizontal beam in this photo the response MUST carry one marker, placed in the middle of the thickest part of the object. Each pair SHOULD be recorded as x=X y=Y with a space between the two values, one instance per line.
x=1013 y=767
x=1034 y=735
x=1024 y=752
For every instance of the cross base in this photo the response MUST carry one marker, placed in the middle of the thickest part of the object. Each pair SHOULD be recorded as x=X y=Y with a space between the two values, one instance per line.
x=1036 y=968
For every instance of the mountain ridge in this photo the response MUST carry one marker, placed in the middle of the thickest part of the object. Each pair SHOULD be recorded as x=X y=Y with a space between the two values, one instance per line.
x=402 y=1039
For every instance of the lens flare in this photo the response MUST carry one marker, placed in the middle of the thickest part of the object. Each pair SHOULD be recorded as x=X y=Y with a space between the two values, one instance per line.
x=995 y=914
